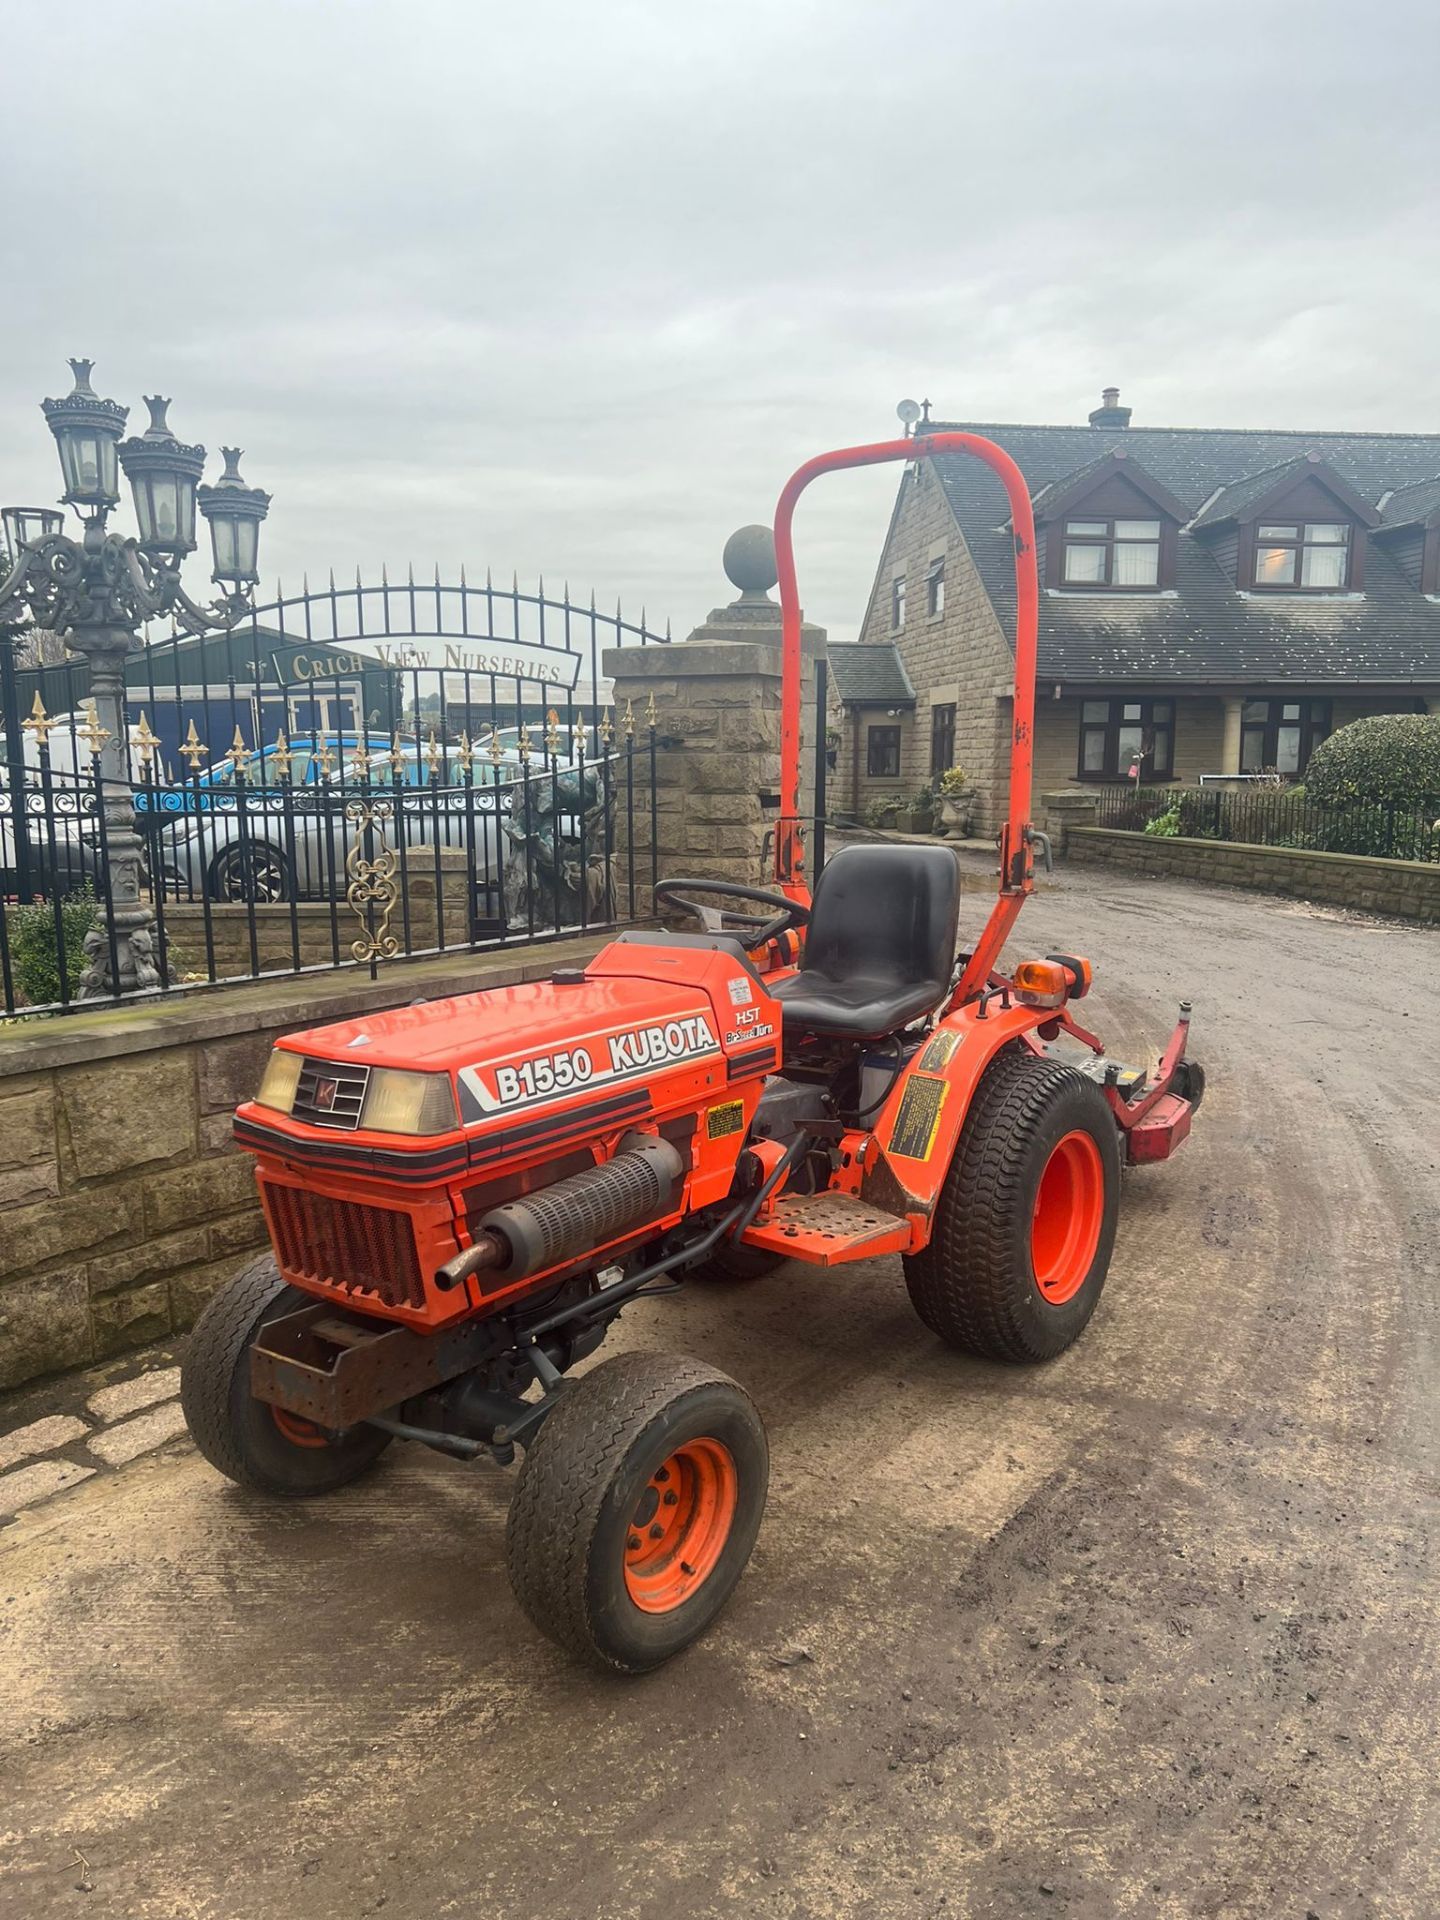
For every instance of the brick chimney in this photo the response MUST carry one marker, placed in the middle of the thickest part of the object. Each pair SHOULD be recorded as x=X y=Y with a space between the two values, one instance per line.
x=1110 y=414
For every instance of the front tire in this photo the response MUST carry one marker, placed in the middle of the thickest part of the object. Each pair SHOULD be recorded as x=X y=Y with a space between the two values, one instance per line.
x=636 y=1509
x=1026 y=1219
x=249 y=1441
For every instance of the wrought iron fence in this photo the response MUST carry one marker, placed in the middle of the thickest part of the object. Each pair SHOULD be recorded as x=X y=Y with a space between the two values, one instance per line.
x=342 y=778
x=1274 y=817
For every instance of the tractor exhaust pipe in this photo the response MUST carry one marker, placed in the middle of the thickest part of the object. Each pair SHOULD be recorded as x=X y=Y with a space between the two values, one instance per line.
x=574 y=1216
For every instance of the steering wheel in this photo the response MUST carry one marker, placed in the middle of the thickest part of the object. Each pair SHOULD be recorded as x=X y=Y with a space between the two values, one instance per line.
x=753 y=930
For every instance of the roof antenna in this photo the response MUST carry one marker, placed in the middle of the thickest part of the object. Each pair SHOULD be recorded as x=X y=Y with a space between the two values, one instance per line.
x=907 y=413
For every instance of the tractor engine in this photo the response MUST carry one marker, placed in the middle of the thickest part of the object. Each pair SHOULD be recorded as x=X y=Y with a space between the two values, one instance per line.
x=435 y=1162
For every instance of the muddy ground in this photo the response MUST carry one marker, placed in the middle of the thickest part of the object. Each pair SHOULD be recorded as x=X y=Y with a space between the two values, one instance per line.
x=1148 y=1631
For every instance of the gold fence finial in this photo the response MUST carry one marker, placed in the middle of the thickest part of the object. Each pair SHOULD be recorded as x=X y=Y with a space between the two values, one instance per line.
x=146 y=742
x=38 y=721
x=525 y=743
x=325 y=757
x=282 y=755
x=396 y=757
x=467 y=751
x=628 y=723
x=495 y=750
x=652 y=712
x=606 y=729
x=552 y=731
x=434 y=758
x=92 y=733
x=580 y=734
x=360 y=760
x=194 y=749
x=238 y=754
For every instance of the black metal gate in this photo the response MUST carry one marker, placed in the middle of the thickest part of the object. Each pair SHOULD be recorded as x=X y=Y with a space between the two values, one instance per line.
x=344 y=775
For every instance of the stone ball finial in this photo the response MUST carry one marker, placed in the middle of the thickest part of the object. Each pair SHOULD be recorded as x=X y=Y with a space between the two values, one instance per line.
x=749 y=562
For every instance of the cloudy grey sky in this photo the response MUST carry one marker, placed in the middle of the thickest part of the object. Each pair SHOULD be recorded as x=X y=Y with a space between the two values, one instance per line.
x=570 y=287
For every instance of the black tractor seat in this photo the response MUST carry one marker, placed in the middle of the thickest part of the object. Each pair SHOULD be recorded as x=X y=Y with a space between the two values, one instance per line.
x=880 y=949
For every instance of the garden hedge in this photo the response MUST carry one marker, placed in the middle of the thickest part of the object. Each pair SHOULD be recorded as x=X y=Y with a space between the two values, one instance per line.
x=1393 y=758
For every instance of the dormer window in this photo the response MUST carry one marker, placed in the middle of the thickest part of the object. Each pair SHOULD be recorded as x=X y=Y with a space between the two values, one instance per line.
x=1111 y=553
x=1306 y=555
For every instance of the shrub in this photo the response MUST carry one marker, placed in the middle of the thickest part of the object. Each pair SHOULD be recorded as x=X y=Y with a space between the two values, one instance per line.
x=954 y=780
x=34 y=955
x=1165 y=825
x=1393 y=758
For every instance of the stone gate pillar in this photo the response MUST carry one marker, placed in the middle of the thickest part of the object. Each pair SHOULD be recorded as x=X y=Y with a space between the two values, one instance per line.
x=717 y=730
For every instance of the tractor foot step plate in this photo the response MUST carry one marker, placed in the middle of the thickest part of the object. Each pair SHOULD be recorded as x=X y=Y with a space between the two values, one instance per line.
x=829 y=1228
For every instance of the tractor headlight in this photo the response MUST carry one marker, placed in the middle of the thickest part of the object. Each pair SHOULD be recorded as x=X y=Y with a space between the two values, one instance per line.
x=399 y=1102
x=281 y=1078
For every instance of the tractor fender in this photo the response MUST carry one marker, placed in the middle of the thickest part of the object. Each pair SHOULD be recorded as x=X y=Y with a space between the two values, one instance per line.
x=913 y=1138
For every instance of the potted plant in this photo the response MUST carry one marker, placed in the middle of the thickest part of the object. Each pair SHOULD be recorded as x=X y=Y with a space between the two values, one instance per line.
x=956 y=794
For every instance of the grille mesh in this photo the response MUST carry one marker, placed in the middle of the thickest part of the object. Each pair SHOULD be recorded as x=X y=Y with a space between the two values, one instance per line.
x=330 y=1094
x=345 y=1244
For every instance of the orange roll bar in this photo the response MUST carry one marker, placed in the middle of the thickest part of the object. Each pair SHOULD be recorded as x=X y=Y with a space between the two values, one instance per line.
x=1016 y=862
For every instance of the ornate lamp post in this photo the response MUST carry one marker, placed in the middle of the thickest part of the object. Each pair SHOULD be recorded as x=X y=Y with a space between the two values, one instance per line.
x=97 y=592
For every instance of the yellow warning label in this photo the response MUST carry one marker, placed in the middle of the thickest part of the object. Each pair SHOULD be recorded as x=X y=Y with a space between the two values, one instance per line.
x=916 y=1124
x=729 y=1118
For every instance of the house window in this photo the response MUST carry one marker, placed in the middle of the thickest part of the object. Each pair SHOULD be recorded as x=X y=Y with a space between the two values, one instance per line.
x=882 y=753
x=942 y=738
x=1114 y=734
x=1280 y=735
x=1311 y=554
x=935 y=588
x=897 y=603
x=1111 y=553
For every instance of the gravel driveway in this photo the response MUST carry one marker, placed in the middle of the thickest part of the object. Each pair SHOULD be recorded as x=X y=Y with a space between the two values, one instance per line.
x=1148 y=1631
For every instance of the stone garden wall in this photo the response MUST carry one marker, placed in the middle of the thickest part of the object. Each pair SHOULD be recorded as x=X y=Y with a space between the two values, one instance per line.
x=1409 y=889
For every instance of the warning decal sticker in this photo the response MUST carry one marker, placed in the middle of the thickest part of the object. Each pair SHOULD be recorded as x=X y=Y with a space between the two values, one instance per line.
x=729 y=1118
x=913 y=1135
x=939 y=1049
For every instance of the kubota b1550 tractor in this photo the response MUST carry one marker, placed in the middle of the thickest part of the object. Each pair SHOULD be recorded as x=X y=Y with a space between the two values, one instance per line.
x=462 y=1195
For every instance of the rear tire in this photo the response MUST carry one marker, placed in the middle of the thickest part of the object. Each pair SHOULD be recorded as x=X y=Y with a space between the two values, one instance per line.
x=1026 y=1219
x=602 y=1558
x=248 y=1440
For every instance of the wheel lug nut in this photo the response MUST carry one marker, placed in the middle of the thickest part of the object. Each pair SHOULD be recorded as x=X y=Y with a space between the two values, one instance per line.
x=662 y=1474
x=672 y=1499
x=657 y=1533
x=633 y=1542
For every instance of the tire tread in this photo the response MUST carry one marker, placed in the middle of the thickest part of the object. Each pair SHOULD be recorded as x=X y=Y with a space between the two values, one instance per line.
x=562 y=1485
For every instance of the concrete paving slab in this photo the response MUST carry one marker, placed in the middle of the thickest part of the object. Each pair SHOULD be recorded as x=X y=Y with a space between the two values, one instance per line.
x=41 y=1436
x=116 y=1445
x=129 y=1396
x=28 y=1485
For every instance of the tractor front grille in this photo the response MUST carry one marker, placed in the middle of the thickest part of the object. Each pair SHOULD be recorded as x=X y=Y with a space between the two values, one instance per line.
x=331 y=1093
x=344 y=1244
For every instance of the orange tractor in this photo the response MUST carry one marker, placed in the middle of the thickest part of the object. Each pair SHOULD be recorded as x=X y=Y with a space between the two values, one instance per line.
x=463 y=1195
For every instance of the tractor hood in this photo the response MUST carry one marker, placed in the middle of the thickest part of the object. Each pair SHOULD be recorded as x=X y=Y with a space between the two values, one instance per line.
x=640 y=1031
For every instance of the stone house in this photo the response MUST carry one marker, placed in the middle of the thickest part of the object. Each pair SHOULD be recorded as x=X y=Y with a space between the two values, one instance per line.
x=1212 y=602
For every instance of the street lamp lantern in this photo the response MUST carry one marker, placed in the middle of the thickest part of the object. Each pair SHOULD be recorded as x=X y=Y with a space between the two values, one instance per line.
x=25 y=525
x=163 y=475
x=234 y=512
x=97 y=592
x=87 y=430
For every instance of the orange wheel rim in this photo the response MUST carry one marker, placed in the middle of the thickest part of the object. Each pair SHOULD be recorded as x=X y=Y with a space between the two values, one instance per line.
x=299 y=1431
x=1069 y=1210
x=681 y=1522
